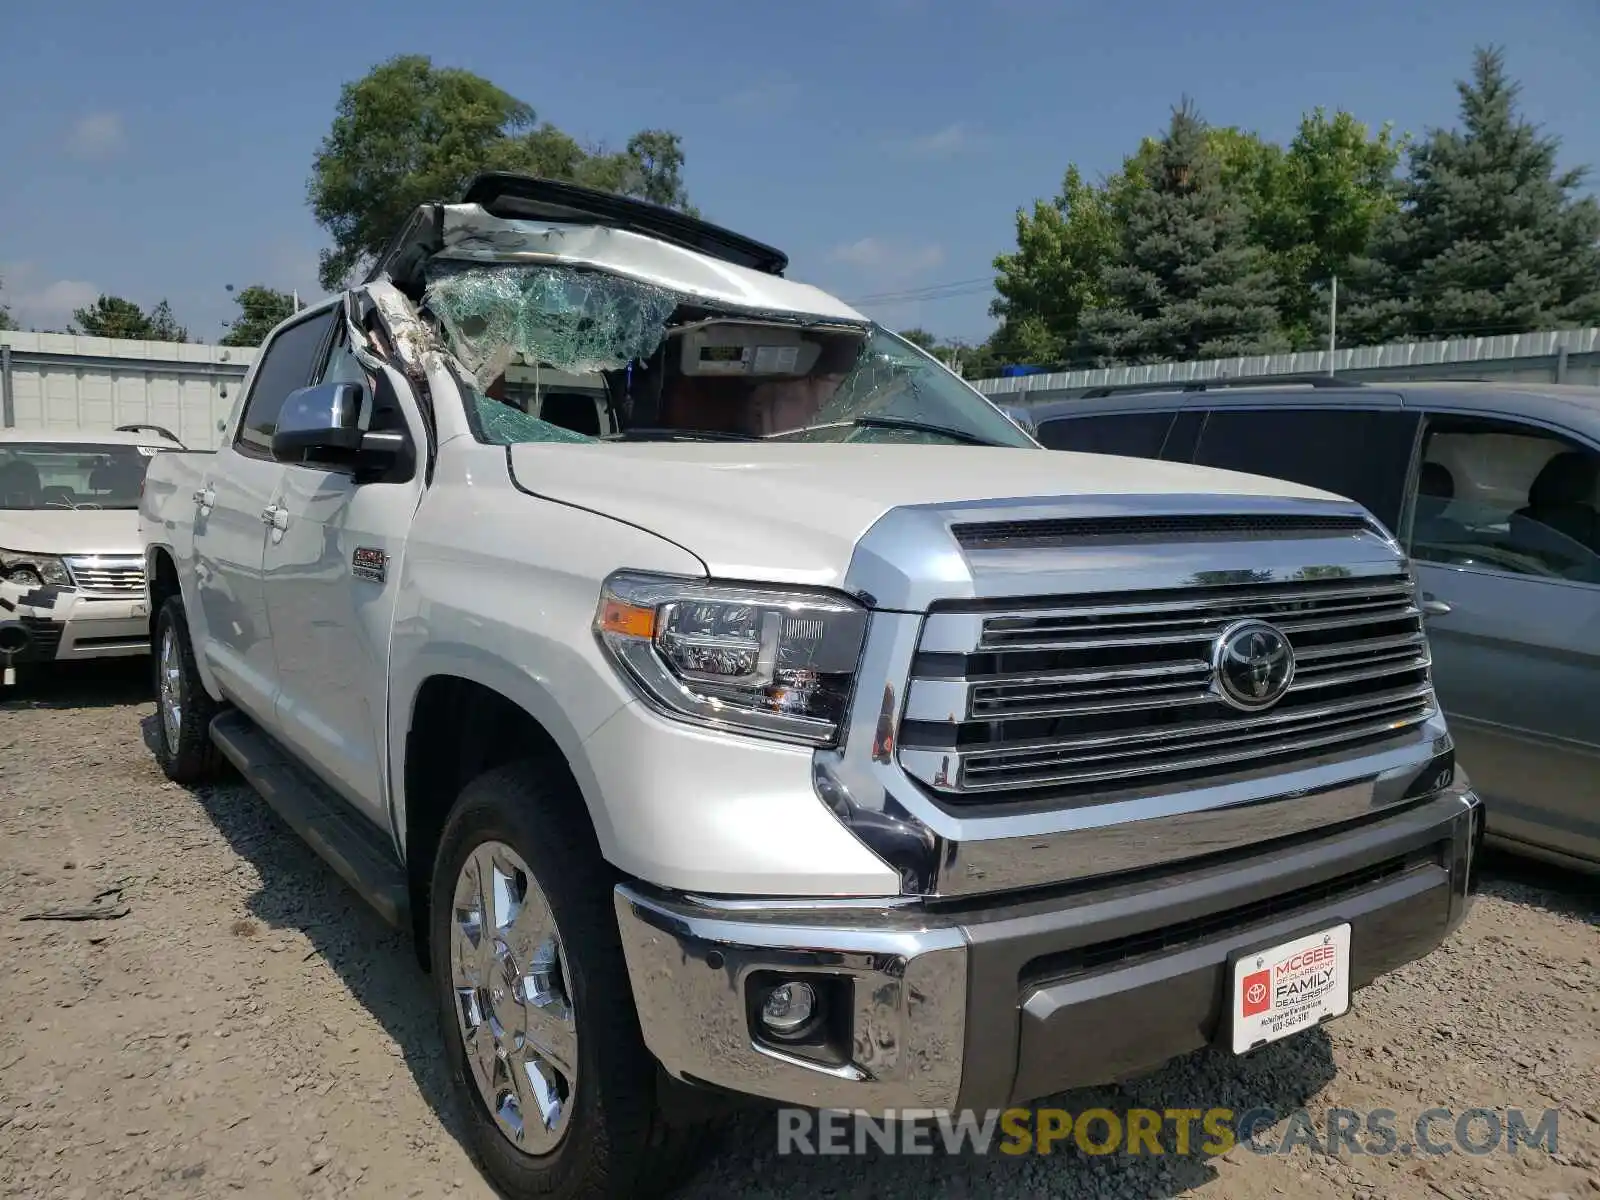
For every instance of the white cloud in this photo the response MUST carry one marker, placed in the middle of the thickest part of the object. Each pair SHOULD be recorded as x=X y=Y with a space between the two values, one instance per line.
x=865 y=253
x=888 y=258
x=97 y=135
x=63 y=296
x=956 y=138
x=39 y=303
x=764 y=97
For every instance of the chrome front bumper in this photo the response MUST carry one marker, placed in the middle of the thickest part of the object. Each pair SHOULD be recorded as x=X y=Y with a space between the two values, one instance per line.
x=985 y=1003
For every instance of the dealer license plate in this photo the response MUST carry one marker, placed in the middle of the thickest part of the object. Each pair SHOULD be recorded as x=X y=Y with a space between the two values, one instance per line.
x=1290 y=987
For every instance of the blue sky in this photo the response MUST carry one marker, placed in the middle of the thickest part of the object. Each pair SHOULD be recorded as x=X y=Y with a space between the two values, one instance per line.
x=162 y=149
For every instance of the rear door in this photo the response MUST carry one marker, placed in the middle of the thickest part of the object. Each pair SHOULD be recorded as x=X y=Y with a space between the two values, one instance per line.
x=1363 y=452
x=1132 y=434
x=1515 y=621
x=231 y=522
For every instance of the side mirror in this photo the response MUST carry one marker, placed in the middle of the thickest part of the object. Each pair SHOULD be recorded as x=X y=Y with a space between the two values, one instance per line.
x=320 y=424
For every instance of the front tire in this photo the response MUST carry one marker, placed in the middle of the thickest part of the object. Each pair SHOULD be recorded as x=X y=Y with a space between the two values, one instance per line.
x=183 y=706
x=535 y=1003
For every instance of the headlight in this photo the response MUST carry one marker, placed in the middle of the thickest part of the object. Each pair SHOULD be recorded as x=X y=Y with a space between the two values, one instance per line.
x=767 y=661
x=33 y=569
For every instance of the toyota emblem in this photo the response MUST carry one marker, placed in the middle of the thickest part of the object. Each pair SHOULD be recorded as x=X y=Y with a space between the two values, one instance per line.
x=1252 y=665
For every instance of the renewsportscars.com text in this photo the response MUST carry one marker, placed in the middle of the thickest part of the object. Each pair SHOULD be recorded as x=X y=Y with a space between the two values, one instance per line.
x=1184 y=1131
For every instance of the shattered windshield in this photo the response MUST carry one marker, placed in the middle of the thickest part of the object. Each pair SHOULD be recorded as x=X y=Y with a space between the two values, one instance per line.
x=557 y=353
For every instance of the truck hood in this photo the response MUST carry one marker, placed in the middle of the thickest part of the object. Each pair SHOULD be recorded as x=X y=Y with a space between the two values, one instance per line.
x=70 y=531
x=793 y=512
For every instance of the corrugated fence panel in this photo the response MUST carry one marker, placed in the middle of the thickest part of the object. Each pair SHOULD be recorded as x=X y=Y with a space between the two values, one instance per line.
x=60 y=381
x=1552 y=356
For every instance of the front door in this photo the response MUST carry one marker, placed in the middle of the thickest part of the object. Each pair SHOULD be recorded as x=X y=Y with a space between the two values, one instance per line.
x=230 y=526
x=332 y=570
x=1503 y=534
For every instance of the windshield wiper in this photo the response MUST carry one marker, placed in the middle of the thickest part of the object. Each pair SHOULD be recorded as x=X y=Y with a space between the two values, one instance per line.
x=663 y=434
x=869 y=421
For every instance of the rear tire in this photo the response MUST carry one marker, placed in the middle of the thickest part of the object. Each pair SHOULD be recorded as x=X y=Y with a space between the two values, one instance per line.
x=551 y=931
x=183 y=706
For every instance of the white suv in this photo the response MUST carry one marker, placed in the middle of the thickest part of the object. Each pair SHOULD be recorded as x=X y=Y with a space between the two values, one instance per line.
x=71 y=565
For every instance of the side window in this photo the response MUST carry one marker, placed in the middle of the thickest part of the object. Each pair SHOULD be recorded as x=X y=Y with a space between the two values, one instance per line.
x=1184 y=435
x=287 y=366
x=384 y=414
x=342 y=366
x=1508 y=497
x=1134 y=435
x=1362 y=454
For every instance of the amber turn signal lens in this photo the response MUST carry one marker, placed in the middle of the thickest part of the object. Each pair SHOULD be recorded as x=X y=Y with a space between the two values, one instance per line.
x=629 y=620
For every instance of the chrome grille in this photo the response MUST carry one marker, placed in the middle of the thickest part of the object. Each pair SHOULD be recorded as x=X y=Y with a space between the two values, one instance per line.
x=1115 y=692
x=115 y=575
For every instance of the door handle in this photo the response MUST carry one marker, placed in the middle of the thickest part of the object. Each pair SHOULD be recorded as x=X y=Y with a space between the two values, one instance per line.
x=1432 y=606
x=275 y=516
x=205 y=497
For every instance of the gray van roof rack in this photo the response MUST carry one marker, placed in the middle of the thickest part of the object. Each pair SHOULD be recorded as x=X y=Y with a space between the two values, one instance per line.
x=1205 y=385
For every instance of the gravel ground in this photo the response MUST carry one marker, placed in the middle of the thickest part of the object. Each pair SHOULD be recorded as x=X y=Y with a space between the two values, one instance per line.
x=248 y=1027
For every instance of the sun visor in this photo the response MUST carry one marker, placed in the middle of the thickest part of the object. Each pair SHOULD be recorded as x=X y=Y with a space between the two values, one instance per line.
x=731 y=349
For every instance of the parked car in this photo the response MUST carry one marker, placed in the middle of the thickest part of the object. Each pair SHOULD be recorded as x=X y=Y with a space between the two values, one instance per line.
x=815 y=736
x=71 y=563
x=1493 y=488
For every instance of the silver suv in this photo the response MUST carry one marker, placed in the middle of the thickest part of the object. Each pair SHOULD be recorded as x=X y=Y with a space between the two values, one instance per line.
x=1494 y=491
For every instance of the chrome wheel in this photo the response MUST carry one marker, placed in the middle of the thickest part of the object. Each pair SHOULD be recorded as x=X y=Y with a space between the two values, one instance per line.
x=512 y=999
x=170 y=687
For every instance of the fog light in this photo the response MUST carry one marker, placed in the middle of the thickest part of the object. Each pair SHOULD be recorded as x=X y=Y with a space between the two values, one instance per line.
x=788 y=1009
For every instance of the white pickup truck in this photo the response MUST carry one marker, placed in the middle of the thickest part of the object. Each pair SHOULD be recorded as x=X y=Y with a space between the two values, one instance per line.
x=806 y=733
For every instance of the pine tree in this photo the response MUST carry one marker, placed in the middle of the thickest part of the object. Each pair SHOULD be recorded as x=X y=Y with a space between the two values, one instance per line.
x=1490 y=237
x=1185 y=280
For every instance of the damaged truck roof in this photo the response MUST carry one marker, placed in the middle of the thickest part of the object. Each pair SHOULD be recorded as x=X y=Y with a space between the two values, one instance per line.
x=510 y=219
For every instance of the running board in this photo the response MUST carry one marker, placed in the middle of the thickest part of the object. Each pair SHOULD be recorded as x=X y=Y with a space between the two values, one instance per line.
x=345 y=840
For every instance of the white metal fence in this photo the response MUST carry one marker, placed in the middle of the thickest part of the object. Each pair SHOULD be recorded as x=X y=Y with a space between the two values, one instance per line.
x=61 y=381
x=1555 y=356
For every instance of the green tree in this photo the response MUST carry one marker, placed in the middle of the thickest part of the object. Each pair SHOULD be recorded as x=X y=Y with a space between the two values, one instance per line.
x=261 y=309
x=980 y=361
x=409 y=132
x=5 y=314
x=922 y=338
x=164 y=326
x=1491 y=236
x=1316 y=207
x=1184 y=280
x=114 y=317
x=1244 y=159
x=651 y=168
x=1055 y=273
x=1313 y=206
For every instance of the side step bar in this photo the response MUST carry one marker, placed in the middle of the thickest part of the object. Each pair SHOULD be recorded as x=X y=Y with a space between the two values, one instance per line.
x=349 y=843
